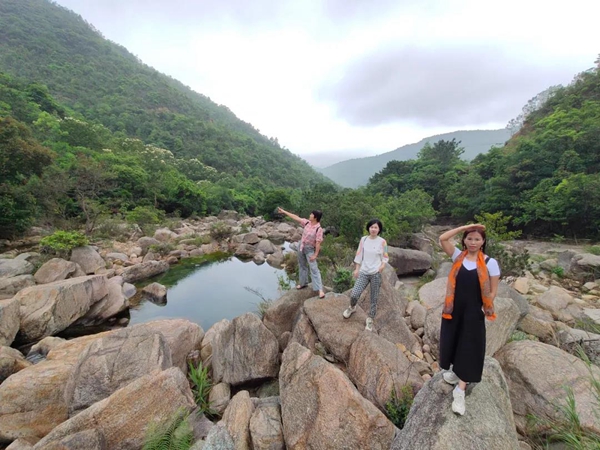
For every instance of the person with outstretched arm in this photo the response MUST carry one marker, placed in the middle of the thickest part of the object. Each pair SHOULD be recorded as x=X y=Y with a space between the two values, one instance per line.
x=309 y=248
x=469 y=301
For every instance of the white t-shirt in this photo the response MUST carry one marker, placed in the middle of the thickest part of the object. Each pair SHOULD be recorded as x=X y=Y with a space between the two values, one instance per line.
x=370 y=254
x=492 y=264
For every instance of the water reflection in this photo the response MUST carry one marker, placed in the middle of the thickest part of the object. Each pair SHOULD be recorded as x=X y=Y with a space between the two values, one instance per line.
x=208 y=291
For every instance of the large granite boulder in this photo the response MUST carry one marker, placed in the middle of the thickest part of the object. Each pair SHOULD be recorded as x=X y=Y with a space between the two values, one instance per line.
x=14 y=267
x=487 y=424
x=57 y=269
x=539 y=376
x=282 y=314
x=49 y=308
x=245 y=351
x=11 y=361
x=10 y=286
x=335 y=332
x=377 y=367
x=110 y=305
x=266 y=429
x=123 y=419
x=32 y=401
x=9 y=320
x=321 y=408
x=409 y=262
x=237 y=420
x=144 y=271
x=88 y=259
x=113 y=362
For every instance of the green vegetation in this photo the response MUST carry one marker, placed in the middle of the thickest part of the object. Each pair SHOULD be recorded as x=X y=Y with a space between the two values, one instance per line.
x=343 y=280
x=263 y=306
x=566 y=427
x=90 y=135
x=519 y=335
x=398 y=407
x=176 y=434
x=163 y=248
x=558 y=271
x=356 y=172
x=220 y=231
x=62 y=242
x=594 y=250
x=588 y=325
x=201 y=385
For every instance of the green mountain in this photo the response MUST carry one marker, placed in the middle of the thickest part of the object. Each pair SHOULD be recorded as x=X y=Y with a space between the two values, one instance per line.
x=104 y=83
x=356 y=172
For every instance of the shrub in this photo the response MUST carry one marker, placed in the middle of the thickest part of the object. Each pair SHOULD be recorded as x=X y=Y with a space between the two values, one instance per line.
x=162 y=249
x=398 y=406
x=112 y=227
x=343 y=280
x=511 y=263
x=62 y=242
x=220 y=231
x=558 y=271
x=145 y=217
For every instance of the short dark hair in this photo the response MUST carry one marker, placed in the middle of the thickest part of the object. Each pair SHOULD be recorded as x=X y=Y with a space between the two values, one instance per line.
x=373 y=222
x=471 y=230
x=317 y=214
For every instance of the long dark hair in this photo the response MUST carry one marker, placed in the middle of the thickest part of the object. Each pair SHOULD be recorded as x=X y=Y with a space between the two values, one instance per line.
x=472 y=230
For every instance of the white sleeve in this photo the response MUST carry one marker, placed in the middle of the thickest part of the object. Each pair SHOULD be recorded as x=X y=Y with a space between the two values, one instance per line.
x=456 y=253
x=493 y=268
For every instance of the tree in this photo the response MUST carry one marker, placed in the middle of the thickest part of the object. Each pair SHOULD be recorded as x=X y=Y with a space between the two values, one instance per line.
x=21 y=156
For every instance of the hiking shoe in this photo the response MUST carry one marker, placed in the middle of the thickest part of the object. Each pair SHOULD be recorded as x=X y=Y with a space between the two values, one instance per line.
x=369 y=324
x=458 y=405
x=348 y=312
x=450 y=377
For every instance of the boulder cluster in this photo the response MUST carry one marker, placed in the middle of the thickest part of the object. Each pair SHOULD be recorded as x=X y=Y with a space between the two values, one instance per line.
x=301 y=376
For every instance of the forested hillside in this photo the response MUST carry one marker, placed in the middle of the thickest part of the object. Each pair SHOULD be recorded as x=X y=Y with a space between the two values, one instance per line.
x=356 y=172
x=547 y=176
x=105 y=84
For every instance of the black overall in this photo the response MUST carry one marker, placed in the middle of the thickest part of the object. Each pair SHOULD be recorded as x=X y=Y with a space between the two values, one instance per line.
x=462 y=338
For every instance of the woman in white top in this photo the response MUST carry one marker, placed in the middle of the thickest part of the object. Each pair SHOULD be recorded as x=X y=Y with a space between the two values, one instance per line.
x=470 y=292
x=370 y=260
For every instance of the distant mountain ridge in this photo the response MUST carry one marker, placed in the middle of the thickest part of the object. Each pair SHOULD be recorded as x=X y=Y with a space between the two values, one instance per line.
x=356 y=172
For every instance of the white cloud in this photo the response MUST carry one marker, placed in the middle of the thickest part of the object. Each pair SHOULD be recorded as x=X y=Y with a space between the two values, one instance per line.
x=268 y=60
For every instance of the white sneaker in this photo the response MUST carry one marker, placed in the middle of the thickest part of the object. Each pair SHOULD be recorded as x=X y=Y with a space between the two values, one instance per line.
x=369 y=324
x=348 y=312
x=458 y=405
x=450 y=377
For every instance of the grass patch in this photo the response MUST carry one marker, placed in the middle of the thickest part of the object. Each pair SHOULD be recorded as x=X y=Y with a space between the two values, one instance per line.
x=566 y=428
x=519 y=335
x=201 y=385
x=587 y=325
x=594 y=250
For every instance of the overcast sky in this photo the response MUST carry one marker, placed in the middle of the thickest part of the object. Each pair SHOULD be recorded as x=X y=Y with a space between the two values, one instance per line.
x=338 y=79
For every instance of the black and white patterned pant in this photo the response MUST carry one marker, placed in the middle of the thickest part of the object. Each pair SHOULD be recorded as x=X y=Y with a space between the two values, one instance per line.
x=361 y=284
